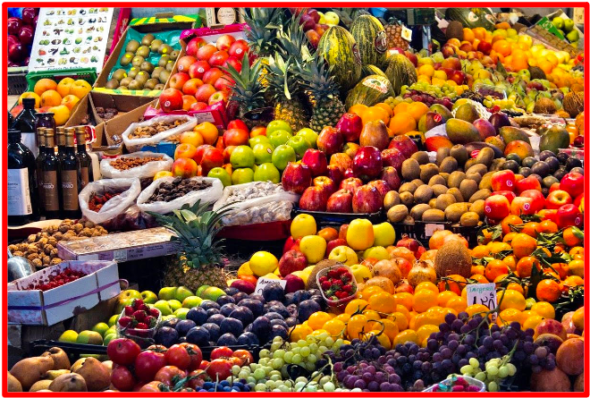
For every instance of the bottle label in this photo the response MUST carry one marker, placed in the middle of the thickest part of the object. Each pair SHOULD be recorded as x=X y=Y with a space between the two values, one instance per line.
x=84 y=176
x=50 y=193
x=18 y=192
x=69 y=189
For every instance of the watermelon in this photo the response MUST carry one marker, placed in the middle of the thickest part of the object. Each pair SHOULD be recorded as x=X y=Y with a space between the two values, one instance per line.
x=472 y=17
x=400 y=72
x=370 y=36
x=341 y=52
x=371 y=90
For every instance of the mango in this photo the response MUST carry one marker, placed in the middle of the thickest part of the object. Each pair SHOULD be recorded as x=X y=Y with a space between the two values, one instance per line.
x=521 y=148
x=509 y=134
x=467 y=112
x=555 y=138
x=462 y=132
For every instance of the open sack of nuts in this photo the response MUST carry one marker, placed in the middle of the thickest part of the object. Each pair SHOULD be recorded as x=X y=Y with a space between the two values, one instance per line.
x=158 y=129
x=103 y=200
x=135 y=165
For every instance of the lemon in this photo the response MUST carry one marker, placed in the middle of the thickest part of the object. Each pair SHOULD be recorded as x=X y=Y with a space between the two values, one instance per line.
x=262 y=263
x=245 y=269
x=100 y=328
x=69 y=336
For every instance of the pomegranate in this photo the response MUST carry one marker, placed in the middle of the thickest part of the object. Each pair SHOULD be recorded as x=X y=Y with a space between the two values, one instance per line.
x=420 y=272
x=410 y=243
x=404 y=286
x=388 y=269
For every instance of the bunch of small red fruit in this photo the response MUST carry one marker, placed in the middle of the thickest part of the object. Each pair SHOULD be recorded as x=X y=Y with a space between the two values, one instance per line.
x=337 y=284
x=138 y=316
x=199 y=81
x=57 y=280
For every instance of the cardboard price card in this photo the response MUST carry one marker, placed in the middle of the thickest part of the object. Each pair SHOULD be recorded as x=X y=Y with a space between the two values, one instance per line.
x=264 y=282
x=482 y=293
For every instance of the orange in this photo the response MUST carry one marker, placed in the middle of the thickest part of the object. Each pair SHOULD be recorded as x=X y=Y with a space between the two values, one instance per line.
x=406 y=335
x=572 y=281
x=510 y=220
x=515 y=286
x=356 y=305
x=375 y=113
x=44 y=85
x=61 y=114
x=544 y=309
x=511 y=299
x=445 y=296
x=382 y=302
x=318 y=319
x=426 y=70
x=480 y=251
x=328 y=233
x=479 y=278
x=457 y=303
x=385 y=107
x=560 y=268
x=547 y=227
x=400 y=319
x=208 y=131
x=508 y=315
x=389 y=328
x=335 y=327
x=356 y=326
x=426 y=285
x=358 y=109
x=402 y=107
x=523 y=245
x=369 y=291
x=425 y=331
x=509 y=236
x=50 y=98
x=494 y=269
x=576 y=267
x=402 y=123
x=455 y=283
x=477 y=269
x=524 y=267
x=576 y=250
x=425 y=299
x=479 y=33
x=476 y=309
x=502 y=47
x=530 y=228
x=469 y=35
x=510 y=261
x=404 y=298
x=570 y=238
x=548 y=290
x=497 y=247
x=417 y=109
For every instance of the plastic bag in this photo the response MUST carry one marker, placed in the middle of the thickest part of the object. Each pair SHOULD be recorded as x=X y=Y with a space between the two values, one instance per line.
x=256 y=202
x=147 y=170
x=131 y=219
x=135 y=144
x=130 y=188
x=208 y=195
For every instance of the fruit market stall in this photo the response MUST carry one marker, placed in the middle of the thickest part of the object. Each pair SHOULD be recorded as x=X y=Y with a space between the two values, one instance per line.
x=297 y=200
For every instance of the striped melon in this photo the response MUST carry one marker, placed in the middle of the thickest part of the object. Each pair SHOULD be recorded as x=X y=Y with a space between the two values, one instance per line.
x=369 y=35
x=400 y=72
x=339 y=49
x=371 y=90
x=369 y=70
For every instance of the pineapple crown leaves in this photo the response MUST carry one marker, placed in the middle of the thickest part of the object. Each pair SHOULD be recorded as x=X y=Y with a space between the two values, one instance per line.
x=247 y=87
x=292 y=40
x=317 y=79
x=261 y=22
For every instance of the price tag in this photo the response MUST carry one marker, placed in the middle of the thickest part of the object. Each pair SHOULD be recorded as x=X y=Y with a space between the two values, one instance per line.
x=263 y=282
x=120 y=255
x=482 y=293
x=406 y=34
x=430 y=229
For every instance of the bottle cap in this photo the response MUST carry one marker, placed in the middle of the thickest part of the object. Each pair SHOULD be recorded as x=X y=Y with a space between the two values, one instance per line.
x=29 y=103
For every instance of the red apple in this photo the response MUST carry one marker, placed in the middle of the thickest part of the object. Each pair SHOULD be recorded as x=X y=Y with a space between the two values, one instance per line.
x=367 y=163
x=404 y=144
x=579 y=202
x=367 y=199
x=217 y=97
x=171 y=100
x=198 y=69
x=316 y=161
x=237 y=124
x=391 y=177
x=296 y=178
x=452 y=63
x=294 y=283
x=292 y=261
x=351 y=184
x=224 y=83
x=496 y=207
x=199 y=106
x=224 y=42
x=528 y=183
x=205 y=52
x=548 y=214
x=227 y=153
x=211 y=76
x=178 y=79
x=381 y=186
x=507 y=194
x=412 y=57
x=336 y=242
x=521 y=206
x=458 y=77
x=349 y=173
x=573 y=183
x=340 y=202
x=568 y=215
x=330 y=140
x=235 y=137
x=484 y=47
x=503 y=180
x=313 y=199
x=238 y=49
x=234 y=62
x=341 y=160
x=184 y=63
x=327 y=183
x=204 y=92
x=307 y=22
x=558 y=198
x=200 y=152
x=212 y=157
x=193 y=46
x=191 y=86
x=351 y=126
x=218 y=58
x=291 y=244
x=392 y=157
x=335 y=173
x=538 y=200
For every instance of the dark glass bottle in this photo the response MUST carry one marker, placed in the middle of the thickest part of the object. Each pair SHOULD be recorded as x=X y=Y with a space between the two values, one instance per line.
x=60 y=140
x=25 y=122
x=86 y=174
x=39 y=168
x=10 y=119
x=21 y=195
x=45 y=120
x=70 y=178
x=51 y=183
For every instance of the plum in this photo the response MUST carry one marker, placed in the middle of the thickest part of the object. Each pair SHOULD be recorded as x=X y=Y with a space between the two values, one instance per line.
x=291 y=321
x=166 y=336
x=227 y=339
x=280 y=322
x=207 y=304
x=273 y=315
x=199 y=336
x=216 y=319
x=306 y=308
x=197 y=315
x=231 y=325
x=213 y=329
x=239 y=297
x=184 y=326
x=278 y=330
x=249 y=339
x=273 y=291
x=230 y=291
x=261 y=328
x=280 y=309
x=227 y=309
x=243 y=314
x=212 y=311
x=255 y=306
x=225 y=300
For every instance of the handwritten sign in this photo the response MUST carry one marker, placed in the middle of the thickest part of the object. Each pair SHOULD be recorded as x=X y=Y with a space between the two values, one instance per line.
x=263 y=282
x=482 y=293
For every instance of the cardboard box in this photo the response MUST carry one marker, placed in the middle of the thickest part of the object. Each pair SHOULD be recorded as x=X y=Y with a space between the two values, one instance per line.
x=115 y=127
x=36 y=307
x=215 y=113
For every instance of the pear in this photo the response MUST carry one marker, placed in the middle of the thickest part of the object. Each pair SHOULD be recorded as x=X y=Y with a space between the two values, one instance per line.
x=77 y=365
x=95 y=374
x=108 y=365
x=41 y=385
x=13 y=385
x=30 y=370
x=68 y=382
x=59 y=356
x=375 y=134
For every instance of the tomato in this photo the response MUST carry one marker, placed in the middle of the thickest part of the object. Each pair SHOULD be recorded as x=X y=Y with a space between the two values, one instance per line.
x=152 y=386
x=196 y=355
x=157 y=348
x=219 y=369
x=122 y=378
x=221 y=352
x=178 y=356
x=123 y=351
x=148 y=363
x=245 y=356
x=197 y=378
x=170 y=375
x=204 y=365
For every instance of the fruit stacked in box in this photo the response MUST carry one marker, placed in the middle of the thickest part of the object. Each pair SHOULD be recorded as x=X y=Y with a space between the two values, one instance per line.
x=21 y=26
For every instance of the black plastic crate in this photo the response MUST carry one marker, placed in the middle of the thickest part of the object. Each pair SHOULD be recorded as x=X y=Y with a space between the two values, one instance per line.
x=17 y=81
x=422 y=231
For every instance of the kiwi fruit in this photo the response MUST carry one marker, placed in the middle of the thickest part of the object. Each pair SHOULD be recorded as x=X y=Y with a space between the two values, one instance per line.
x=485 y=156
x=151 y=84
x=146 y=66
x=442 y=153
x=478 y=207
x=482 y=194
x=468 y=164
x=437 y=179
x=407 y=198
x=497 y=164
x=428 y=171
x=445 y=200
x=143 y=51
x=456 y=193
x=312 y=280
x=135 y=85
x=133 y=72
x=423 y=194
x=468 y=187
x=165 y=49
x=125 y=81
x=142 y=77
x=410 y=169
x=126 y=59
x=169 y=65
x=459 y=152
x=163 y=61
x=112 y=84
x=432 y=203
x=132 y=46
x=455 y=179
x=445 y=176
x=164 y=75
x=137 y=61
x=397 y=213
x=478 y=168
x=155 y=45
x=408 y=187
x=449 y=164
x=418 y=210
x=433 y=215
x=474 y=176
x=453 y=259
x=159 y=86
x=156 y=72
x=421 y=157
x=486 y=181
x=418 y=182
x=391 y=199
x=119 y=74
x=147 y=39
x=454 y=212
x=469 y=219
x=174 y=54
x=439 y=189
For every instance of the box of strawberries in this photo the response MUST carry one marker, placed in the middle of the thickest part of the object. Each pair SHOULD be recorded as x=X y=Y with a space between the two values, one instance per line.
x=62 y=291
x=198 y=84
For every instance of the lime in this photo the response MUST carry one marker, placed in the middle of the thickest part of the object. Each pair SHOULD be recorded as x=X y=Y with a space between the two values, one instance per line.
x=101 y=328
x=113 y=320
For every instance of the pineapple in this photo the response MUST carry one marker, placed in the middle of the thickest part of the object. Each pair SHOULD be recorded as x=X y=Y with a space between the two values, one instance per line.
x=198 y=261
x=393 y=32
x=327 y=108
x=262 y=35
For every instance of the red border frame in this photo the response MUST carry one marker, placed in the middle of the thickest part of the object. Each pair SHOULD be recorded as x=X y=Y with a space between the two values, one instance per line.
x=5 y=6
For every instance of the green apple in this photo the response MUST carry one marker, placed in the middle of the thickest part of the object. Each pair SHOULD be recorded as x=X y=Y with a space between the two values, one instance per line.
x=222 y=174
x=149 y=297
x=558 y=22
x=166 y=317
x=182 y=293
x=262 y=153
x=573 y=36
x=267 y=172
x=174 y=304
x=242 y=176
x=213 y=293
x=163 y=307
x=278 y=125
x=109 y=337
x=167 y=293
x=113 y=320
x=310 y=135
x=201 y=289
x=192 y=301
x=568 y=25
x=282 y=155
x=242 y=156
x=126 y=298
x=279 y=137
x=525 y=74
x=101 y=328
x=181 y=313
x=331 y=18
x=89 y=337
x=259 y=139
x=69 y=336
x=299 y=144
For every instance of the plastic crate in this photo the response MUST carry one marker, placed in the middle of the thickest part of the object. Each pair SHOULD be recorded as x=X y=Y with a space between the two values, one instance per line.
x=88 y=74
x=17 y=80
x=73 y=350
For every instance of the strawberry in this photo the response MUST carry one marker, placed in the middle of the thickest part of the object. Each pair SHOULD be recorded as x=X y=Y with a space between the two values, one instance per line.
x=347 y=288
x=124 y=321
x=323 y=279
x=137 y=303
x=337 y=282
x=141 y=325
x=129 y=310
x=139 y=315
x=143 y=307
x=154 y=312
x=326 y=285
x=332 y=273
x=342 y=271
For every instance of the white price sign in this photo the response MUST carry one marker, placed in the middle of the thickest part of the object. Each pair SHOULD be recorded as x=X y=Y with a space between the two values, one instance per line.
x=263 y=282
x=482 y=293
